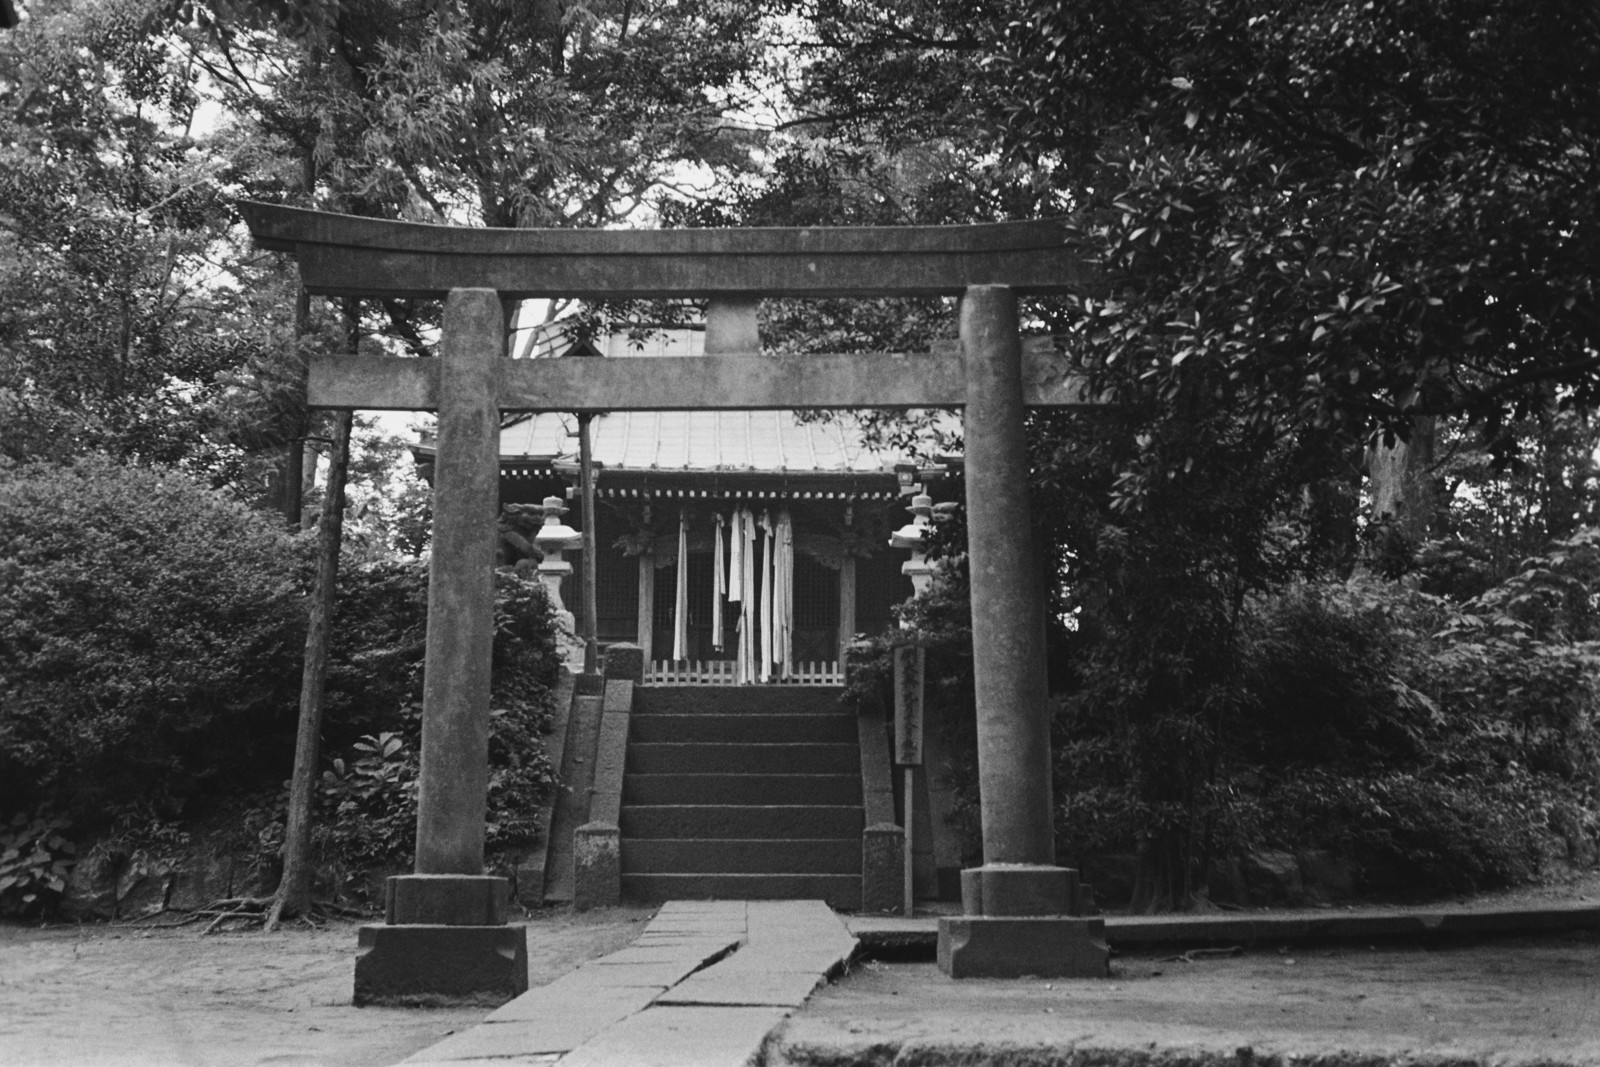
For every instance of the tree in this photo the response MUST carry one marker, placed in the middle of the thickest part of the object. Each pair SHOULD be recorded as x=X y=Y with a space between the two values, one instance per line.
x=1343 y=215
x=293 y=896
x=1318 y=229
x=122 y=325
x=1339 y=222
x=489 y=113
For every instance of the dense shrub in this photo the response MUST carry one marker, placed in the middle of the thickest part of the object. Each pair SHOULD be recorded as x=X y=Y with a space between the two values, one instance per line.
x=1438 y=747
x=1326 y=677
x=148 y=637
x=367 y=814
x=1418 y=833
x=35 y=857
x=1441 y=749
x=375 y=651
x=151 y=635
x=941 y=623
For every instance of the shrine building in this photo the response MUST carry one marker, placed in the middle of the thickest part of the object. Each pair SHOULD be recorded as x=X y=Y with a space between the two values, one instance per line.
x=784 y=523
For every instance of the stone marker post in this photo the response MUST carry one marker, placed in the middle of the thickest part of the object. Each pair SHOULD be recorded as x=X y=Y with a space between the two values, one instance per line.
x=445 y=936
x=1017 y=904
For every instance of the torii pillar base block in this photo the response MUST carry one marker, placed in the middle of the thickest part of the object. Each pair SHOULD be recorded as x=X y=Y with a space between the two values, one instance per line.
x=1021 y=920
x=1051 y=946
x=446 y=942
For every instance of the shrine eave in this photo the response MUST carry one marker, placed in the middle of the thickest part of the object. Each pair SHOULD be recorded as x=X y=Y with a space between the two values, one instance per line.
x=647 y=485
x=345 y=255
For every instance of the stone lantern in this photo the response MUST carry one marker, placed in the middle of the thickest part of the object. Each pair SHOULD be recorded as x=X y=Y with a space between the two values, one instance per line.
x=553 y=538
x=914 y=536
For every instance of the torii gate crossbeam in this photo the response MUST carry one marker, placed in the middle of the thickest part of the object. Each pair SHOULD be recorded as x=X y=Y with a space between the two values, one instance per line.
x=1018 y=903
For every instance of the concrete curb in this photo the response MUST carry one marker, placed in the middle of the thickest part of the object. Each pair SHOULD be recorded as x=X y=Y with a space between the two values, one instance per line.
x=917 y=938
x=888 y=1054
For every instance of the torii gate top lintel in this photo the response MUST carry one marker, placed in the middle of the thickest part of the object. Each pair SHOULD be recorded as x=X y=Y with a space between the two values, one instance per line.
x=351 y=256
x=344 y=255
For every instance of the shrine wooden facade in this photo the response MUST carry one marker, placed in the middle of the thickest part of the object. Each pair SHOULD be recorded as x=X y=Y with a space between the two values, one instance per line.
x=657 y=470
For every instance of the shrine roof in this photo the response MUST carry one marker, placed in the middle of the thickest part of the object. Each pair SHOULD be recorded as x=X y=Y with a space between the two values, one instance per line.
x=753 y=442
x=694 y=441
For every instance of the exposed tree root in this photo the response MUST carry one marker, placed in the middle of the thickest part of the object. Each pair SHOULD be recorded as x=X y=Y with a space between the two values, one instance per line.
x=244 y=911
x=248 y=909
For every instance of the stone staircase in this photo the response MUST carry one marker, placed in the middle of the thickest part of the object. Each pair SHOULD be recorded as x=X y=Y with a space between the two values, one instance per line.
x=742 y=792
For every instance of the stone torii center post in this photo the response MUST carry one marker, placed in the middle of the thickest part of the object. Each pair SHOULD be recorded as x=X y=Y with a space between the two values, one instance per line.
x=445 y=932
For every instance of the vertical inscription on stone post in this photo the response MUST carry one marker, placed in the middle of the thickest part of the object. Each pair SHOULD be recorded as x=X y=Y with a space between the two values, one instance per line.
x=455 y=700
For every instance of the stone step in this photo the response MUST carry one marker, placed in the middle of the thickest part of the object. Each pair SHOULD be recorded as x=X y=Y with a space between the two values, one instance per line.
x=736 y=699
x=791 y=758
x=741 y=821
x=641 y=789
x=741 y=856
x=765 y=729
x=842 y=891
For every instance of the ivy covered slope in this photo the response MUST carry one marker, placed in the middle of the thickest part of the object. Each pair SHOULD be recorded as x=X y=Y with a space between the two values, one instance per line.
x=150 y=639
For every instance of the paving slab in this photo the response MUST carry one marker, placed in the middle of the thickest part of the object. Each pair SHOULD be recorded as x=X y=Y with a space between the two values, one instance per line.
x=710 y=926
x=672 y=936
x=704 y=983
x=492 y=1061
x=821 y=960
x=553 y=1035
x=565 y=1001
x=715 y=911
x=744 y=988
x=726 y=912
x=663 y=975
x=682 y=1037
x=551 y=1019
x=693 y=954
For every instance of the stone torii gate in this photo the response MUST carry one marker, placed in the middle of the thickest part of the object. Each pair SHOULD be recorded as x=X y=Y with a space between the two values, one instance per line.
x=445 y=931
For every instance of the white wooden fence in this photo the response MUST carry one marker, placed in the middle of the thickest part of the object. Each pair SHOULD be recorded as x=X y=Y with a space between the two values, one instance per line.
x=724 y=672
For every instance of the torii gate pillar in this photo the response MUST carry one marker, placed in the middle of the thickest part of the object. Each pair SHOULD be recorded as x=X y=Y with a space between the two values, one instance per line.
x=1019 y=908
x=445 y=934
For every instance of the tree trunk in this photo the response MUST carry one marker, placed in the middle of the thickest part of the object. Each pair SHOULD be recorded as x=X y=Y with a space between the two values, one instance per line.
x=293 y=896
x=311 y=458
x=1403 y=495
x=294 y=888
x=293 y=499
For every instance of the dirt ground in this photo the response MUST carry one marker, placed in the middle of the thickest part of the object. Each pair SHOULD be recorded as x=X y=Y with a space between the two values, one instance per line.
x=1503 y=1002
x=1510 y=1002
x=123 y=996
x=127 y=996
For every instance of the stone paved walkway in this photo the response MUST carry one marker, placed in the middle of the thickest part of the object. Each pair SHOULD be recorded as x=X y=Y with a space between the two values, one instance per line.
x=704 y=984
